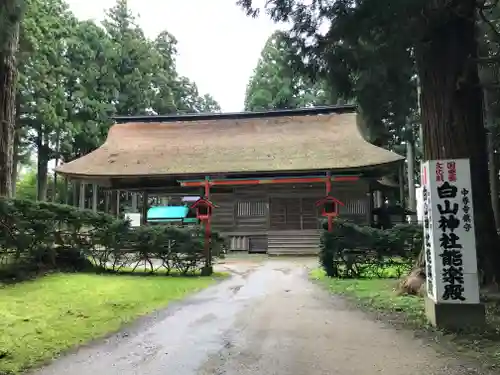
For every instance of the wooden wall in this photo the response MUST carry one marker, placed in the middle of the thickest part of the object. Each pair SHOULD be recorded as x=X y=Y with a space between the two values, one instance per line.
x=246 y=210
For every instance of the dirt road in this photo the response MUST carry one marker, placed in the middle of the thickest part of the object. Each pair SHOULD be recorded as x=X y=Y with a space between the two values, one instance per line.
x=267 y=319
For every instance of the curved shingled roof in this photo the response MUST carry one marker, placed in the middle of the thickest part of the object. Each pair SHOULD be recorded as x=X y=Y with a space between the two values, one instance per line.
x=265 y=144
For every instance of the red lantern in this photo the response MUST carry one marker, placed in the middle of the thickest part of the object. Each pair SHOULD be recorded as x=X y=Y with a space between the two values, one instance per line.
x=203 y=208
x=329 y=208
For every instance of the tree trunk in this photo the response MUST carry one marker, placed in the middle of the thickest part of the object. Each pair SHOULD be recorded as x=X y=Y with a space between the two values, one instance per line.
x=9 y=41
x=410 y=159
x=492 y=162
x=452 y=112
x=17 y=141
x=15 y=163
x=56 y=162
x=42 y=173
x=414 y=281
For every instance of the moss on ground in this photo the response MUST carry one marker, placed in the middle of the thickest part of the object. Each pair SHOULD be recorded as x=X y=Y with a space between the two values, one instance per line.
x=42 y=318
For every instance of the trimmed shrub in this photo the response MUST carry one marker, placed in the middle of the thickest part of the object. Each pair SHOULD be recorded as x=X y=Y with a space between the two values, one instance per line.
x=357 y=251
x=37 y=237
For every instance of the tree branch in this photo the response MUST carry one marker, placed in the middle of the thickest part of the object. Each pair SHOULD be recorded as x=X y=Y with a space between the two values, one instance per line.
x=483 y=5
x=488 y=22
x=487 y=60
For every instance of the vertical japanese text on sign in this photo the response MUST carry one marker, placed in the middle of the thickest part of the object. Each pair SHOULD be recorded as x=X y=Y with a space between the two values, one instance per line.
x=428 y=235
x=449 y=241
x=450 y=247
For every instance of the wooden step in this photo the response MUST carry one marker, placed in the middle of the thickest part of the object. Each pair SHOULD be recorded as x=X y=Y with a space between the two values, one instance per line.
x=294 y=239
x=301 y=251
x=293 y=243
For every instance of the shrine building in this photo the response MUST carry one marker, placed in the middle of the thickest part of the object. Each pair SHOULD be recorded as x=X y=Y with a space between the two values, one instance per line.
x=267 y=173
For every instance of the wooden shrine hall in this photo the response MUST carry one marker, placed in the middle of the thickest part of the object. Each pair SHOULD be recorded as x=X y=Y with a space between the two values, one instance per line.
x=265 y=172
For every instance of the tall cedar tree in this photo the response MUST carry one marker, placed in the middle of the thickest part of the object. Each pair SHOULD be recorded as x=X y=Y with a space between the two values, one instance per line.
x=275 y=84
x=42 y=95
x=10 y=17
x=75 y=75
x=442 y=36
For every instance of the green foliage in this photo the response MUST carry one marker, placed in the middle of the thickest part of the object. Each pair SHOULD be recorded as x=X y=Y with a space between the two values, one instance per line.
x=351 y=54
x=363 y=50
x=26 y=187
x=38 y=236
x=276 y=85
x=372 y=49
x=42 y=120
x=75 y=75
x=355 y=251
x=130 y=61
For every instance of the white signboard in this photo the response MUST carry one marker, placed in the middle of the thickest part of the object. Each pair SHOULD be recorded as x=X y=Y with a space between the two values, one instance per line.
x=449 y=239
x=134 y=218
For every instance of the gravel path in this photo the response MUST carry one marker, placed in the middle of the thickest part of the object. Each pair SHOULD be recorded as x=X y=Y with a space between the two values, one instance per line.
x=267 y=319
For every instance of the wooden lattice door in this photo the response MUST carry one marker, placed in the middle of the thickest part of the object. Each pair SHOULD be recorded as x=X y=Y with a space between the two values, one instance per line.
x=293 y=214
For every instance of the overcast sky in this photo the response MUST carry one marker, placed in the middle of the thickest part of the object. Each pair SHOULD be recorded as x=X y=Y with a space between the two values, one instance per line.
x=219 y=46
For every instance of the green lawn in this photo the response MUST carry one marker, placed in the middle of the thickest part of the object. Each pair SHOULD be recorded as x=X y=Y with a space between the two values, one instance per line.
x=40 y=319
x=374 y=293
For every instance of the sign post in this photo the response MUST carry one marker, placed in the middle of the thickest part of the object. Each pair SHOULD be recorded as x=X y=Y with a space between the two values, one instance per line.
x=450 y=245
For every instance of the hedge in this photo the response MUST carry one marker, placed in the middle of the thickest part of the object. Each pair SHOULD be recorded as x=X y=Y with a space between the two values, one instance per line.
x=357 y=251
x=38 y=236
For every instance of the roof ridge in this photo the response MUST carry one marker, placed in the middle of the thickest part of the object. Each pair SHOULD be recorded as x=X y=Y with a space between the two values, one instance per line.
x=320 y=110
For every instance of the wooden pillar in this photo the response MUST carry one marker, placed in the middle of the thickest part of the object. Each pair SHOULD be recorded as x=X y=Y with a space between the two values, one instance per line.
x=112 y=202
x=134 y=202
x=328 y=183
x=369 y=196
x=74 y=190
x=95 y=188
x=106 y=201
x=117 y=203
x=410 y=158
x=82 y=195
x=402 y=191
x=145 y=204
x=379 y=199
x=402 y=186
x=207 y=189
x=66 y=188
x=208 y=234
x=55 y=198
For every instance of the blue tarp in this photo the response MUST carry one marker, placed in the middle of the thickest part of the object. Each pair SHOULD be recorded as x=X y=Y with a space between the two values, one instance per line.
x=167 y=213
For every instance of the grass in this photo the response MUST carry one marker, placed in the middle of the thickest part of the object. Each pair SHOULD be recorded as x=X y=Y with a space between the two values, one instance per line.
x=374 y=293
x=394 y=268
x=379 y=295
x=42 y=318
